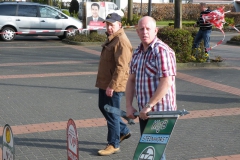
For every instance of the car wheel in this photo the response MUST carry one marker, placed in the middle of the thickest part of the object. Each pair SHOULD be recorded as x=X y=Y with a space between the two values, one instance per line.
x=72 y=31
x=8 y=34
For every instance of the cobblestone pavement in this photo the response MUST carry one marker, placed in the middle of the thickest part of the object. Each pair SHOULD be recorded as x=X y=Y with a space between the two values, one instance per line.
x=44 y=82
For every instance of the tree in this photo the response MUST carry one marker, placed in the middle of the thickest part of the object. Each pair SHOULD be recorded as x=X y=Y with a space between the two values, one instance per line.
x=74 y=7
x=130 y=10
x=178 y=14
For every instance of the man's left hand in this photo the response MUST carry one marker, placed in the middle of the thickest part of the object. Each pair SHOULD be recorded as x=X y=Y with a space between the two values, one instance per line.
x=109 y=92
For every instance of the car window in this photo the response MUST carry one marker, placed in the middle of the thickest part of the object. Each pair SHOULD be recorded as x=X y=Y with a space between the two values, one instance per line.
x=115 y=7
x=80 y=6
x=8 y=10
x=47 y=12
x=27 y=10
x=110 y=6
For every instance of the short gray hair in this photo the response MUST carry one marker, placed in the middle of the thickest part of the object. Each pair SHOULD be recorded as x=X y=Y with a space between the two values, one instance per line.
x=203 y=4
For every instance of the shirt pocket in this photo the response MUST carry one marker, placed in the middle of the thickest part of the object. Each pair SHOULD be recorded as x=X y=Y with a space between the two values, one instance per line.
x=150 y=68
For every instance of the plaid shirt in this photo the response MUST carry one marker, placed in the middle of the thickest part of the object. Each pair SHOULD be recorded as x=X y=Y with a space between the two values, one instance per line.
x=158 y=61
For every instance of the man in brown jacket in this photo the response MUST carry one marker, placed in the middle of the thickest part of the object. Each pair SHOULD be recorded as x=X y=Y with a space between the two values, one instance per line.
x=111 y=80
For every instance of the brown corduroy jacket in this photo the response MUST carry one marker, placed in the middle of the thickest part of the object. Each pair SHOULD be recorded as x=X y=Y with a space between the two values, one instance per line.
x=113 y=70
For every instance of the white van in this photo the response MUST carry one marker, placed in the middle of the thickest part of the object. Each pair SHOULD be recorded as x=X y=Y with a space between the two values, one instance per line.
x=26 y=18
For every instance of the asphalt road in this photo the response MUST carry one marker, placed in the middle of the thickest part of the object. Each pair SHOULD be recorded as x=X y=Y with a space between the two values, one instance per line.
x=44 y=82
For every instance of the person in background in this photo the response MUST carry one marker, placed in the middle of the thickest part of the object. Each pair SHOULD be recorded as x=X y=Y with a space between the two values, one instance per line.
x=152 y=75
x=111 y=80
x=95 y=14
x=204 y=32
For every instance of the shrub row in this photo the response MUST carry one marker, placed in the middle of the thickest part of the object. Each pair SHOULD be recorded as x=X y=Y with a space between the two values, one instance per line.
x=181 y=41
x=165 y=11
x=92 y=37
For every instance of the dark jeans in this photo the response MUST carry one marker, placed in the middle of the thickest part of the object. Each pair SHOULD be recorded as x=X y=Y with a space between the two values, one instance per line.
x=202 y=34
x=116 y=127
x=143 y=124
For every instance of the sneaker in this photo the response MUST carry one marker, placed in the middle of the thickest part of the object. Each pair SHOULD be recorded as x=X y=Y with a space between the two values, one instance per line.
x=108 y=150
x=125 y=137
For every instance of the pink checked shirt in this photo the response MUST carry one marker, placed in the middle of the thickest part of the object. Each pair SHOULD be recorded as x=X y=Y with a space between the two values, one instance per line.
x=158 y=61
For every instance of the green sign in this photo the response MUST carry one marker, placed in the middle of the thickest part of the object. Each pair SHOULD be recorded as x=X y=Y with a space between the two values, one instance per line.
x=156 y=134
x=155 y=137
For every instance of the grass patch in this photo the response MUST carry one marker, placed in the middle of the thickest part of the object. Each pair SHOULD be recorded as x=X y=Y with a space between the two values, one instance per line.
x=165 y=23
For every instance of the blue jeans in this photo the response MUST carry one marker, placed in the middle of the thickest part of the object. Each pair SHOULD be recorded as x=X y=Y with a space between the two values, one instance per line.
x=143 y=124
x=202 y=34
x=116 y=127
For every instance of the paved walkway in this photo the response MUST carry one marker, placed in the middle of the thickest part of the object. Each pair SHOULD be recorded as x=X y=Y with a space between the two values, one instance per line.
x=40 y=91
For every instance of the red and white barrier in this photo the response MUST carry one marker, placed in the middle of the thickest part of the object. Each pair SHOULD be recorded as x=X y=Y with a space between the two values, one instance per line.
x=51 y=31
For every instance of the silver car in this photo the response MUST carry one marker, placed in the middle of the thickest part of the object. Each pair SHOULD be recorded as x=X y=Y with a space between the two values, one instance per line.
x=26 y=18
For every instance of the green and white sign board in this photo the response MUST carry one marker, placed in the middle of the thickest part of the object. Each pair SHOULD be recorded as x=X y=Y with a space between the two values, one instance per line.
x=155 y=137
x=156 y=134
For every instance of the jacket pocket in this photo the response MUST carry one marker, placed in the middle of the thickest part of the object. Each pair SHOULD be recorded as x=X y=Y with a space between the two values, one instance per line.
x=107 y=54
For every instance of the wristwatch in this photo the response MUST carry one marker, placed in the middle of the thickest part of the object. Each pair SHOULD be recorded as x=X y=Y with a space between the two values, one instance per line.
x=148 y=106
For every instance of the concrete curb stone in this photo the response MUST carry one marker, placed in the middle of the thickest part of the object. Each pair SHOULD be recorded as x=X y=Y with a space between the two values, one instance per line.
x=200 y=65
x=234 y=43
x=82 y=43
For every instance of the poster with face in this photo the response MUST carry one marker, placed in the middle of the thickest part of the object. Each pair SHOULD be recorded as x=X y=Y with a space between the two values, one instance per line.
x=96 y=13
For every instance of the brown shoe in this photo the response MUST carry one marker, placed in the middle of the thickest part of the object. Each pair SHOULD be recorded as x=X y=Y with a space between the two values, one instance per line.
x=125 y=137
x=108 y=150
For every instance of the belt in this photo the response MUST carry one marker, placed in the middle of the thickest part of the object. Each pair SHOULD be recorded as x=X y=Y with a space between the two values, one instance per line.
x=204 y=29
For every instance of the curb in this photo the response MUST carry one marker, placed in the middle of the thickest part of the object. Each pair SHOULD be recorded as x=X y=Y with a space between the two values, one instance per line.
x=82 y=43
x=234 y=43
x=191 y=65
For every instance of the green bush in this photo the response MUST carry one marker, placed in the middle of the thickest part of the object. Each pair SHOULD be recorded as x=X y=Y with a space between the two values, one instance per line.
x=66 y=12
x=92 y=37
x=235 y=38
x=228 y=22
x=180 y=40
x=134 y=21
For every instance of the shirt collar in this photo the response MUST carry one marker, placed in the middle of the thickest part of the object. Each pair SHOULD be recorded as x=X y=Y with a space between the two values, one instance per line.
x=151 y=45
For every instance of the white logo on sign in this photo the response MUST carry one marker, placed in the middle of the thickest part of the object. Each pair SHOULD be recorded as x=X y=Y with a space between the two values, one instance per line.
x=159 y=125
x=147 y=154
x=72 y=139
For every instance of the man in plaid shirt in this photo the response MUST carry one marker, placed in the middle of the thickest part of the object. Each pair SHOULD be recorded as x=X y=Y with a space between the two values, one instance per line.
x=152 y=74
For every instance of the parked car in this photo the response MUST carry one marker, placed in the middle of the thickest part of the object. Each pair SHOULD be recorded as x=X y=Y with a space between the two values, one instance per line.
x=26 y=18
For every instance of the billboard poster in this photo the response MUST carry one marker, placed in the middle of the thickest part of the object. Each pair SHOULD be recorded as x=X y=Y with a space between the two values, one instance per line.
x=72 y=141
x=8 y=143
x=95 y=15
